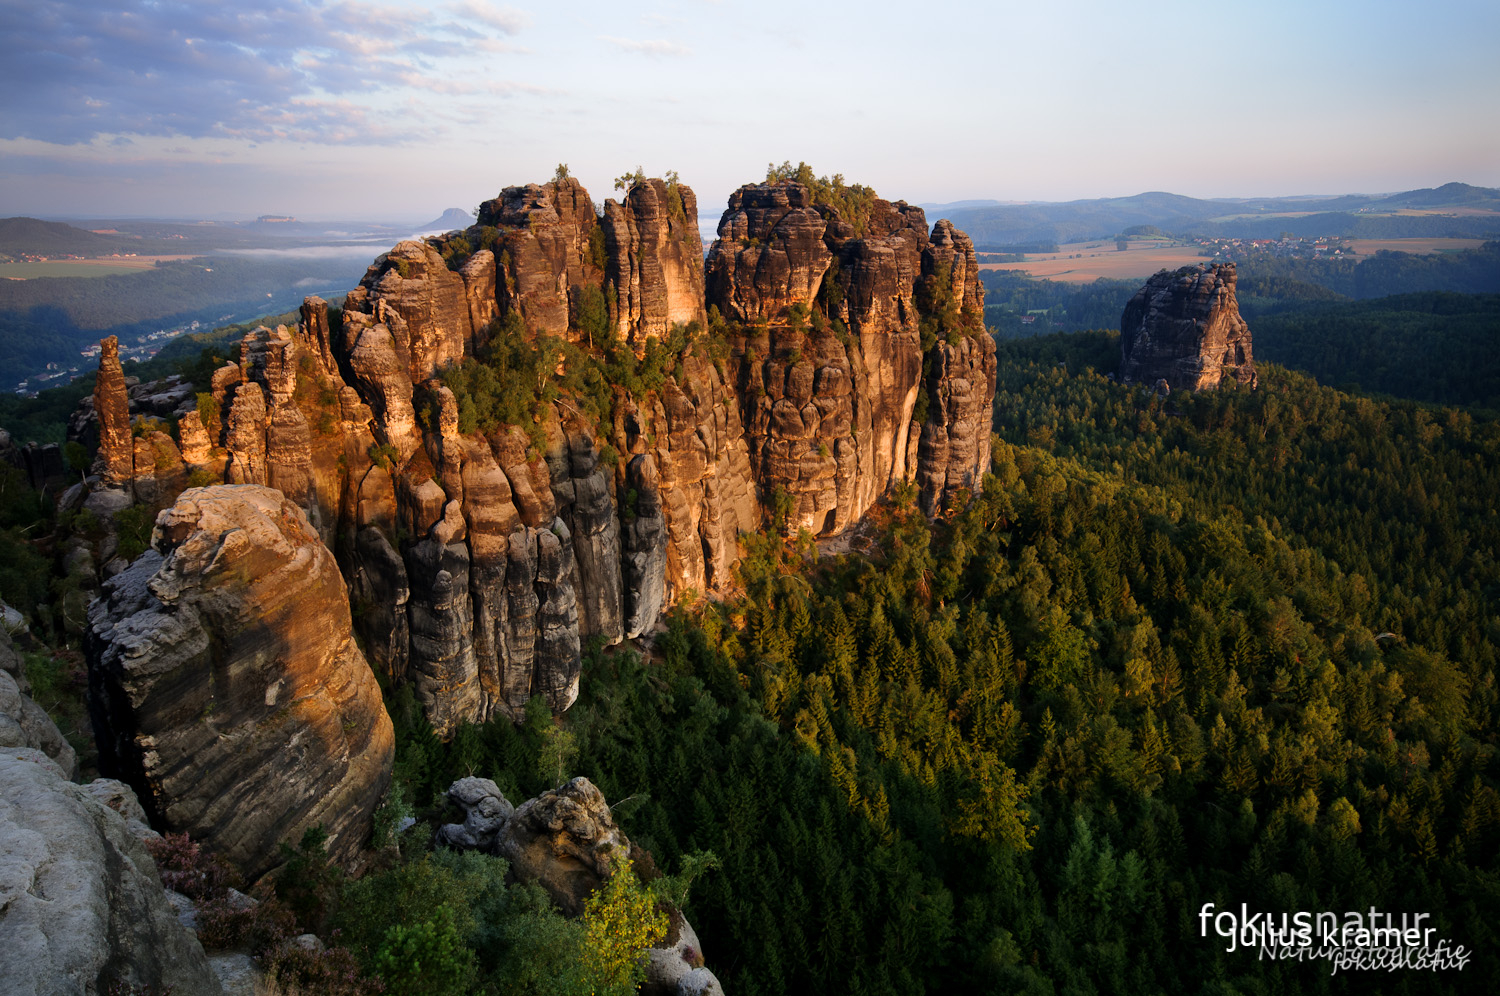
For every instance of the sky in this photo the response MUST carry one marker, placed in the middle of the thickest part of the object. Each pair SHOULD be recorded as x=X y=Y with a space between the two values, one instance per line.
x=397 y=111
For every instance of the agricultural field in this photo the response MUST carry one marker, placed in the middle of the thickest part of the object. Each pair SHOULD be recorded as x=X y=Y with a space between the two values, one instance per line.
x=81 y=267
x=1369 y=247
x=1085 y=262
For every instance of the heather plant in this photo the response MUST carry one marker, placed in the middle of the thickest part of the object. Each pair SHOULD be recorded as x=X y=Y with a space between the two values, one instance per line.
x=186 y=867
x=292 y=968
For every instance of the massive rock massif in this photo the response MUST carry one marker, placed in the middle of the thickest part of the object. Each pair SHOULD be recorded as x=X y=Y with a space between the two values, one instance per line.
x=1185 y=328
x=830 y=359
x=225 y=685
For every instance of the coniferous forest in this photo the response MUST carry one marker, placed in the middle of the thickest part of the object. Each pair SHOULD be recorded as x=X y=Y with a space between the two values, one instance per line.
x=1229 y=648
x=1232 y=648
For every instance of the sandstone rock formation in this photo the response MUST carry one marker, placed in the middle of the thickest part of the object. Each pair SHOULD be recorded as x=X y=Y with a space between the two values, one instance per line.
x=655 y=259
x=549 y=246
x=225 y=685
x=1184 y=327
x=828 y=400
x=112 y=407
x=81 y=905
x=486 y=811
x=845 y=355
x=566 y=840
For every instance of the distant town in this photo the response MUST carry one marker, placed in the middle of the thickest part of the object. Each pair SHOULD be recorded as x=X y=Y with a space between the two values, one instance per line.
x=144 y=348
x=1289 y=247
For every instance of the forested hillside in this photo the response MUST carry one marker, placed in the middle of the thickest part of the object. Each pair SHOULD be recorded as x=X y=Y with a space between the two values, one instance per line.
x=1437 y=347
x=1474 y=271
x=1231 y=648
x=1234 y=649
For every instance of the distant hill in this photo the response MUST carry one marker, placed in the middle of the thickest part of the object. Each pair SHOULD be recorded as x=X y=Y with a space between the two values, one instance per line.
x=1353 y=216
x=452 y=218
x=937 y=210
x=54 y=238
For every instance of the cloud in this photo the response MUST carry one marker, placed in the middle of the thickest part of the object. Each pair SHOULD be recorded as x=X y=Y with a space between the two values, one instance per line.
x=506 y=20
x=247 y=69
x=656 y=48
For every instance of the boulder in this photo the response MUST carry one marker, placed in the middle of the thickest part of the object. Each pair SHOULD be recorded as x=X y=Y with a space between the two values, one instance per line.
x=565 y=839
x=485 y=810
x=226 y=688
x=81 y=904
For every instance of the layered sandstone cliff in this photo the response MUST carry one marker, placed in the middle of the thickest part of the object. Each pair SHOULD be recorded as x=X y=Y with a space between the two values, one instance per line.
x=837 y=355
x=828 y=359
x=225 y=685
x=1185 y=328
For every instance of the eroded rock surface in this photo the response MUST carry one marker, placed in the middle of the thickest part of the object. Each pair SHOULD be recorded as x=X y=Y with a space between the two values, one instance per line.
x=654 y=259
x=112 y=408
x=847 y=357
x=1184 y=327
x=225 y=686
x=81 y=904
x=486 y=811
x=833 y=364
x=566 y=839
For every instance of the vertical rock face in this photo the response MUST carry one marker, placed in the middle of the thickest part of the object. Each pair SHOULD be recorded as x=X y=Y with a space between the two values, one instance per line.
x=1185 y=328
x=225 y=685
x=655 y=260
x=480 y=562
x=828 y=400
x=548 y=247
x=112 y=406
x=414 y=282
x=82 y=908
x=770 y=253
x=954 y=449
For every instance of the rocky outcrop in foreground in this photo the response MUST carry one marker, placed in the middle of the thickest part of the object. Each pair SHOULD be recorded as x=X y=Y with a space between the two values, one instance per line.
x=835 y=358
x=1185 y=328
x=566 y=840
x=225 y=685
x=81 y=904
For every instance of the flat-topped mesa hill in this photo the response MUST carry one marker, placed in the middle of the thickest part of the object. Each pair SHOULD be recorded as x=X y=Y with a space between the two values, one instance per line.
x=549 y=426
x=1184 y=328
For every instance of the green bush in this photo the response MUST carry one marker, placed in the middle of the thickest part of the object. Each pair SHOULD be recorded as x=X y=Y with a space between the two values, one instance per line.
x=429 y=956
x=133 y=526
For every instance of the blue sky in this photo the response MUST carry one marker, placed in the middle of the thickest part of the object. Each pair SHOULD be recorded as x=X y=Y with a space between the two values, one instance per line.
x=398 y=110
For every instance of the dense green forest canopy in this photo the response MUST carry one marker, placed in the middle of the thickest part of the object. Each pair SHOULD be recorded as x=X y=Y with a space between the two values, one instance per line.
x=1473 y=271
x=1010 y=296
x=1437 y=347
x=1235 y=648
